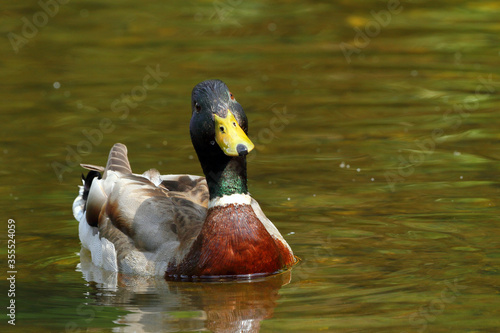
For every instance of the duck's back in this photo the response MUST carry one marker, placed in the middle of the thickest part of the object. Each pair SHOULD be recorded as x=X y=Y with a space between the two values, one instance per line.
x=138 y=223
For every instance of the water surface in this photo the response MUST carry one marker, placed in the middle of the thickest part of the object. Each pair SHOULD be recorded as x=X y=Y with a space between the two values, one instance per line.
x=377 y=157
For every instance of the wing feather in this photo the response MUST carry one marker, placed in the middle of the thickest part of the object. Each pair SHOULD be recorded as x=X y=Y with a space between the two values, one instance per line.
x=148 y=218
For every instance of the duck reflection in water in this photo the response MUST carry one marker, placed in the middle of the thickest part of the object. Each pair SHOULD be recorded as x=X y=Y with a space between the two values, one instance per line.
x=156 y=305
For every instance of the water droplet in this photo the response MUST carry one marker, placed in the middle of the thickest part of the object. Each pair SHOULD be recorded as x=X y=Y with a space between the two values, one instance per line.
x=56 y=85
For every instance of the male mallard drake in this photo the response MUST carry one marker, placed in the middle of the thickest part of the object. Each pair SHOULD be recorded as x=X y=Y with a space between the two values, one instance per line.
x=183 y=226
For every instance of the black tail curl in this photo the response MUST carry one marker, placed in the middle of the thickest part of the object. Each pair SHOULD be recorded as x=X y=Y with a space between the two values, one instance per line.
x=88 y=182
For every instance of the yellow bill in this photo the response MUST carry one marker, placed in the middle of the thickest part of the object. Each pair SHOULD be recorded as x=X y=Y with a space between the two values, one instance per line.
x=230 y=136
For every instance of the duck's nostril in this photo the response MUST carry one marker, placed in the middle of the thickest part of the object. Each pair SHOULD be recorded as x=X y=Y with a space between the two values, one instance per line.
x=242 y=149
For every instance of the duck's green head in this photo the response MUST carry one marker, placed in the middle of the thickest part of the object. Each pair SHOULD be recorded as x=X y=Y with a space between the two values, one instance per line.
x=219 y=130
x=218 y=123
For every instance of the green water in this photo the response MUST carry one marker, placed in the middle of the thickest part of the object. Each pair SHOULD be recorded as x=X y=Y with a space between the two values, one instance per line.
x=376 y=127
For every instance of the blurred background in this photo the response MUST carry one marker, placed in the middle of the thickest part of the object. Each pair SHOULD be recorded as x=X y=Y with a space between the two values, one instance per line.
x=376 y=127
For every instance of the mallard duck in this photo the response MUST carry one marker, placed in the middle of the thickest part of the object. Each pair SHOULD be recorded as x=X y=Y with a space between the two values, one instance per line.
x=183 y=226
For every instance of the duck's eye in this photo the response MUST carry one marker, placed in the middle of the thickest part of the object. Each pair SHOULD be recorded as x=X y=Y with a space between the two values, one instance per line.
x=222 y=129
x=197 y=107
x=231 y=94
